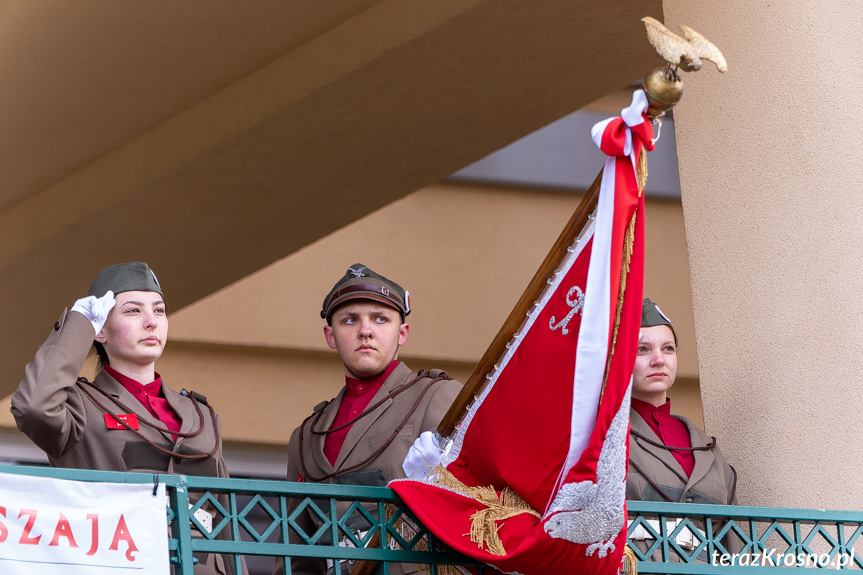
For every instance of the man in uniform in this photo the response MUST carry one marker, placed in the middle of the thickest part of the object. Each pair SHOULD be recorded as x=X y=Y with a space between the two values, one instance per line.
x=363 y=435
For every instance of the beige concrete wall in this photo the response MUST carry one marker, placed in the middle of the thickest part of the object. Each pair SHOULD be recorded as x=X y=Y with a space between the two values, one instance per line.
x=466 y=253
x=253 y=133
x=769 y=170
x=263 y=394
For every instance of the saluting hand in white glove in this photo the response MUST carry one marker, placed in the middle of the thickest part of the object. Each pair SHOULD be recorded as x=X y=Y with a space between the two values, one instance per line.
x=96 y=309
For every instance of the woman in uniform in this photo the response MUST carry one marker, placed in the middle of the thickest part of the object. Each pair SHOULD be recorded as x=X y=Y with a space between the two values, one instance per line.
x=670 y=458
x=126 y=419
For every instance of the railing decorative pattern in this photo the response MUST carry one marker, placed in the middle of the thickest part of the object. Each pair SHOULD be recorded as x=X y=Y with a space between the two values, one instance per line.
x=251 y=519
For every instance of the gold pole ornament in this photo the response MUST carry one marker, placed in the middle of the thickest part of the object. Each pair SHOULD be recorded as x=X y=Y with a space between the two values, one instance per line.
x=664 y=86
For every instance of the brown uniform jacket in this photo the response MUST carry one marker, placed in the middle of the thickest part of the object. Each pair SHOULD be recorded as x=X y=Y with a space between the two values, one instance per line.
x=365 y=437
x=50 y=408
x=713 y=481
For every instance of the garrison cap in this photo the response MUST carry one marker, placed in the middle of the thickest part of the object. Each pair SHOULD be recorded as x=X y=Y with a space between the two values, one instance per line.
x=651 y=316
x=132 y=276
x=359 y=282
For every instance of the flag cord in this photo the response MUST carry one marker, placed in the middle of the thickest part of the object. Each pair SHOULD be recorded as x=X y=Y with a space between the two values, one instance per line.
x=628 y=240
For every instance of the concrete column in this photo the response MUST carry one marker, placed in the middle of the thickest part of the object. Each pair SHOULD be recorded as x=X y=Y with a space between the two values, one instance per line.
x=770 y=177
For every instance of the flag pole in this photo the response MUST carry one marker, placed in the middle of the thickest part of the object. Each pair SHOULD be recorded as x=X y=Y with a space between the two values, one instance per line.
x=663 y=88
x=663 y=93
x=477 y=380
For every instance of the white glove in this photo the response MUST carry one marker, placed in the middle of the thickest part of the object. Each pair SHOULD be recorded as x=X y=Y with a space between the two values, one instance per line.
x=96 y=308
x=424 y=455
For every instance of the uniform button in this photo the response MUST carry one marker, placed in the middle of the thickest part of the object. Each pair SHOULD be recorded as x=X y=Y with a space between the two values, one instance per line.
x=689 y=499
x=57 y=326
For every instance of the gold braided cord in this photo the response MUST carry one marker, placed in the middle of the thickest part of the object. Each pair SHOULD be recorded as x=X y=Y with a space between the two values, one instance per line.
x=626 y=257
x=641 y=172
x=441 y=569
x=484 y=527
x=630 y=562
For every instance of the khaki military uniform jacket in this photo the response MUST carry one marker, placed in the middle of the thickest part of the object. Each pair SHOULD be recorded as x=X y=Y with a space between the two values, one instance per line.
x=50 y=408
x=365 y=437
x=712 y=481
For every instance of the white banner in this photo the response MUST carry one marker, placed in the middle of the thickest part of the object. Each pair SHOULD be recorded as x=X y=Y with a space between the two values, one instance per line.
x=78 y=528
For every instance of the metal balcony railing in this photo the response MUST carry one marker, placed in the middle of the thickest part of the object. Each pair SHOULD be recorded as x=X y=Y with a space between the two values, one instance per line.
x=669 y=537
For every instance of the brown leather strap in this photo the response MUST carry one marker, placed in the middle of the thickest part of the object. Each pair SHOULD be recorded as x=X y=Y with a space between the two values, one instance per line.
x=652 y=483
x=662 y=492
x=84 y=383
x=707 y=447
x=733 y=484
x=380 y=291
x=404 y=387
x=390 y=395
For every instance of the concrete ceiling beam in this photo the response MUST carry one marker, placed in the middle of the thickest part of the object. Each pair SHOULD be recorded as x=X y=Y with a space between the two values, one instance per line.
x=394 y=98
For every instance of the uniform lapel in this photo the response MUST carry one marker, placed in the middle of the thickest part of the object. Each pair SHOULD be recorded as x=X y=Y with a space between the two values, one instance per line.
x=358 y=430
x=317 y=441
x=637 y=423
x=112 y=387
x=703 y=458
x=184 y=410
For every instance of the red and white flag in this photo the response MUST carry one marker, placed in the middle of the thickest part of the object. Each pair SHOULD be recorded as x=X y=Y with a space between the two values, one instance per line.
x=534 y=482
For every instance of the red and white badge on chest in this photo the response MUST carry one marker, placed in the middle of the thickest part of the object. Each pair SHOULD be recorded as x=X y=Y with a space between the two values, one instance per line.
x=114 y=421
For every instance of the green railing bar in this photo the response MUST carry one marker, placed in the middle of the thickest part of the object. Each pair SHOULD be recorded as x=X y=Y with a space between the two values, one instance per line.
x=362 y=493
x=180 y=527
x=327 y=552
x=742 y=512
x=840 y=530
x=90 y=474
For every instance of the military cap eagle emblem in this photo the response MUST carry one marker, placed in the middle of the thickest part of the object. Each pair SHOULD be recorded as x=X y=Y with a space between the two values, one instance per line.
x=683 y=53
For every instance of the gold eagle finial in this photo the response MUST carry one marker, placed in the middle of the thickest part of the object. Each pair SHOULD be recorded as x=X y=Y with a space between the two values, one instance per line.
x=684 y=53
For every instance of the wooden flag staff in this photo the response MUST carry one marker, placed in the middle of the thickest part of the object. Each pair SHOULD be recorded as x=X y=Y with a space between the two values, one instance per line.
x=477 y=380
x=475 y=384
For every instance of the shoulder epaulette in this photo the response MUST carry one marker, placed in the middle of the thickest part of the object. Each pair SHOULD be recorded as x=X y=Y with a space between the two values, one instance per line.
x=195 y=395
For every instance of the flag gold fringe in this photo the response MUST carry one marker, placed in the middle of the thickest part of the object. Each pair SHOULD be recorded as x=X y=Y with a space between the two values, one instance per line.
x=630 y=562
x=626 y=257
x=484 y=527
x=641 y=172
x=441 y=570
x=628 y=240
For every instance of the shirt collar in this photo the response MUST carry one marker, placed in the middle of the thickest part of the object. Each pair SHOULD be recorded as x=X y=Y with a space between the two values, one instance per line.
x=650 y=412
x=135 y=387
x=364 y=386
